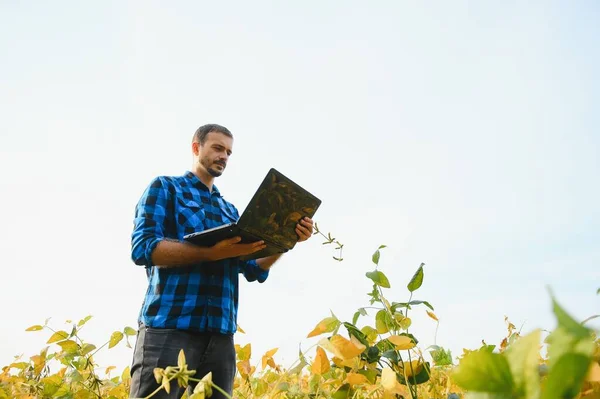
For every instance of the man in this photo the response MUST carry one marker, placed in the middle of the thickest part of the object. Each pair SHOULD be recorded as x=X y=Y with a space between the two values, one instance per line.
x=192 y=297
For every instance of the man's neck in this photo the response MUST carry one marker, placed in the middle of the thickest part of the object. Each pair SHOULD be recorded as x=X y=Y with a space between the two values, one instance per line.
x=205 y=178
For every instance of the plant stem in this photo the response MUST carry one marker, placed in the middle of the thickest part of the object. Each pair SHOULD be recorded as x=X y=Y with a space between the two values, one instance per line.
x=158 y=389
x=96 y=351
x=220 y=390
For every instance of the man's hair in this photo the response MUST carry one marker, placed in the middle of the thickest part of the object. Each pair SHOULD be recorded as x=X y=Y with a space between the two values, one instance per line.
x=203 y=131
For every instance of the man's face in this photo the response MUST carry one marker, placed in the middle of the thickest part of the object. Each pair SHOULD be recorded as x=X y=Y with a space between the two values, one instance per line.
x=214 y=153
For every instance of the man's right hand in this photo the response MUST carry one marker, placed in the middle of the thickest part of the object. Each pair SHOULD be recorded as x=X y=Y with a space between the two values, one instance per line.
x=230 y=248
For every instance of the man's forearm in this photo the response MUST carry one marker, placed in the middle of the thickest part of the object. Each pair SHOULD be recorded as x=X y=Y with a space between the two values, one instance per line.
x=170 y=253
x=266 y=263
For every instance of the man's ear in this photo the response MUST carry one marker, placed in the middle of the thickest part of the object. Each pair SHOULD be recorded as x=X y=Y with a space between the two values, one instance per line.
x=196 y=148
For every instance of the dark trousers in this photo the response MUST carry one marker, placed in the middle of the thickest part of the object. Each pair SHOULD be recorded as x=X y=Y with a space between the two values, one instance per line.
x=203 y=352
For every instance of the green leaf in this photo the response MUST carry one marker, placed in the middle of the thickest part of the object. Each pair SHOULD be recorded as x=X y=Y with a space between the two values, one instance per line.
x=303 y=363
x=417 y=279
x=84 y=320
x=369 y=332
x=343 y=392
x=370 y=374
x=483 y=371
x=359 y=312
x=566 y=377
x=379 y=278
x=87 y=348
x=561 y=341
x=391 y=354
x=383 y=322
x=523 y=360
x=35 y=328
x=354 y=331
x=374 y=294
x=51 y=384
x=396 y=305
x=328 y=324
x=377 y=254
x=19 y=365
x=58 y=336
x=69 y=346
x=372 y=355
x=441 y=357
x=569 y=323
x=598 y=292
x=129 y=331
x=115 y=338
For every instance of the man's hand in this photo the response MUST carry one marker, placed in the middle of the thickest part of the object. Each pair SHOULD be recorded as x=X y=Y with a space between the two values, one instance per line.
x=304 y=229
x=230 y=248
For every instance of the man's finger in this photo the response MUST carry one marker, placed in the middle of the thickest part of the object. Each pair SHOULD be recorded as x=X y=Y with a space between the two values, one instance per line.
x=258 y=248
x=307 y=223
x=303 y=235
x=303 y=229
x=233 y=240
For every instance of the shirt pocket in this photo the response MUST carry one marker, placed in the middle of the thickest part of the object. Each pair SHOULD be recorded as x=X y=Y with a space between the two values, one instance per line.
x=229 y=216
x=190 y=215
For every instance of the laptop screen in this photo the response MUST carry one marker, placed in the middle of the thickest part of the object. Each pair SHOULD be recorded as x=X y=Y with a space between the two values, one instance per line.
x=276 y=208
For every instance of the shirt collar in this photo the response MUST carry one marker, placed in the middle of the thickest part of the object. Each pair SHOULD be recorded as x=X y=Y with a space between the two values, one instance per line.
x=198 y=183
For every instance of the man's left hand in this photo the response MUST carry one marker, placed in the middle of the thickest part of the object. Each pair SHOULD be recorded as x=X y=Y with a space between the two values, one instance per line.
x=304 y=229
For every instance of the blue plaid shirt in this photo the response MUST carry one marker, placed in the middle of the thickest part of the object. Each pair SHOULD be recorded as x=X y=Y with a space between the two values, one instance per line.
x=200 y=297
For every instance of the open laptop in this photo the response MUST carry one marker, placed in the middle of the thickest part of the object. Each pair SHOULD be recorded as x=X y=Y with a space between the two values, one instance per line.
x=271 y=215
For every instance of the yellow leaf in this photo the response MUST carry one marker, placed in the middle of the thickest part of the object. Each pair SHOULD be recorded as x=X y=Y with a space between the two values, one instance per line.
x=126 y=374
x=267 y=358
x=245 y=352
x=354 y=363
x=338 y=362
x=109 y=369
x=412 y=368
x=181 y=359
x=405 y=323
x=371 y=333
x=432 y=315
x=35 y=328
x=594 y=373
x=38 y=363
x=321 y=364
x=240 y=329
x=58 y=336
x=115 y=338
x=328 y=324
x=244 y=368
x=356 y=379
x=271 y=352
x=342 y=347
x=402 y=342
x=390 y=384
x=69 y=346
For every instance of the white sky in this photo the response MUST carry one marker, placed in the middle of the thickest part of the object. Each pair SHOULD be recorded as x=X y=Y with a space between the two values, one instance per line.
x=462 y=134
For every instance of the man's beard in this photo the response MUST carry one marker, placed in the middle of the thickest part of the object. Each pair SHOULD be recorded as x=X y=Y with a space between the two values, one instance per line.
x=207 y=163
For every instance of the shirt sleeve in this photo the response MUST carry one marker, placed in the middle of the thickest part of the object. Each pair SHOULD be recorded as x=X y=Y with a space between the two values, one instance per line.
x=253 y=272
x=148 y=223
